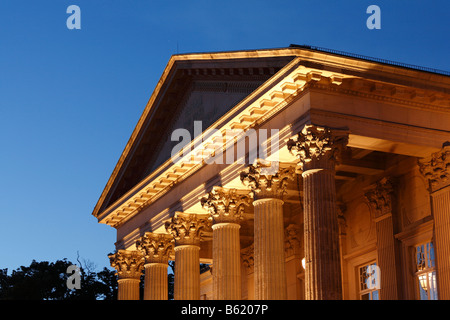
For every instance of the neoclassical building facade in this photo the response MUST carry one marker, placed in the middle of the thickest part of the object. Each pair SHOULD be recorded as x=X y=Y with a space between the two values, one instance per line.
x=295 y=173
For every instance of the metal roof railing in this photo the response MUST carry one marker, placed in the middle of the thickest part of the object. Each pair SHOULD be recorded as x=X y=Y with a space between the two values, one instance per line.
x=384 y=61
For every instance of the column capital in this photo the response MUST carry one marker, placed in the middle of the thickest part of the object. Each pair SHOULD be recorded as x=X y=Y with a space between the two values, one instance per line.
x=187 y=228
x=129 y=264
x=248 y=258
x=436 y=168
x=317 y=147
x=226 y=205
x=379 y=196
x=293 y=240
x=156 y=247
x=266 y=182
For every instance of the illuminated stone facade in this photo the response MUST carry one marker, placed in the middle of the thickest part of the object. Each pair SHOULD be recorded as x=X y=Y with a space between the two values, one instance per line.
x=349 y=200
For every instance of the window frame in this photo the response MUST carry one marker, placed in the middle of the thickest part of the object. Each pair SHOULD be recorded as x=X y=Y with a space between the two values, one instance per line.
x=352 y=262
x=369 y=291
x=421 y=232
x=425 y=270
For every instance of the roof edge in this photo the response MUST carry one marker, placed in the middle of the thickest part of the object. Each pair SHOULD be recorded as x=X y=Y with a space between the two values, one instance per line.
x=292 y=50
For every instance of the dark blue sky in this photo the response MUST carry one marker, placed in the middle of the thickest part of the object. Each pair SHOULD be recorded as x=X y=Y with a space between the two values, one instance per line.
x=69 y=99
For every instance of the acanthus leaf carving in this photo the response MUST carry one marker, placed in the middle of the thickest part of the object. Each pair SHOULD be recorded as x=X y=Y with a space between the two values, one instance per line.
x=226 y=205
x=265 y=183
x=128 y=263
x=187 y=228
x=317 y=146
x=437 y=168
x=380 y=195
x=156 y=247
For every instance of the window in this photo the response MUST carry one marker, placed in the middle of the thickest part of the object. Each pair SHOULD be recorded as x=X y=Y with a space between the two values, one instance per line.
x=369 y=282
x=426 y=272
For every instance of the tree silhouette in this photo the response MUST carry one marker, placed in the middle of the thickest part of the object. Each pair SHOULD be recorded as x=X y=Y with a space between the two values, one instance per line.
x=48 y=281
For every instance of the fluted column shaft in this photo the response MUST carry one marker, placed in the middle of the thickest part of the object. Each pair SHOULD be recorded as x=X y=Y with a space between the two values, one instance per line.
x=322 y=261
x=318 y=149
x=268 y=184
x=437 y=170
x=441 y=211
x=155 y=281
x=227 y=264
x=269 y=265
x=226 y=208
x=187 y=230
x=381 y=197
x=187 y=272
x=156 y=248
x=128 y=289
x=387 y=258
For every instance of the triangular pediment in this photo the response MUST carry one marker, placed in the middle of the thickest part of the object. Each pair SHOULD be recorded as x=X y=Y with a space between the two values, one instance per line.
x=192 y=88
x=236 y=90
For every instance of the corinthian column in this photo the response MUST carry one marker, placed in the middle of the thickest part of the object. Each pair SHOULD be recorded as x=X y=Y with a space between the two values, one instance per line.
x=269 y=261
x=187 y=231
x=226 y=207
x=156 y=248
x=437 y=170
x=379 y=197
x=129 y=265
x=317 y=149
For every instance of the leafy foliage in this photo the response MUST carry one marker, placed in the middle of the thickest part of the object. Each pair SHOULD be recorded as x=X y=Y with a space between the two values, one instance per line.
x=48 y=281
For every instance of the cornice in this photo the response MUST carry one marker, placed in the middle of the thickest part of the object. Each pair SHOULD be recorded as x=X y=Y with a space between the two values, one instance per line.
x=378 y=123
x=422 y=226
x=377 y=93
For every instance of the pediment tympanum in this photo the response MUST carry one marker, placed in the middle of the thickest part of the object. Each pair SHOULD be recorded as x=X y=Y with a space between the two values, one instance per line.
x=189 y=90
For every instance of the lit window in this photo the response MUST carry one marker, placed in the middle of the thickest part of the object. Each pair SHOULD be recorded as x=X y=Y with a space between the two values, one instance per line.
x=369 y=282
x=425 y=271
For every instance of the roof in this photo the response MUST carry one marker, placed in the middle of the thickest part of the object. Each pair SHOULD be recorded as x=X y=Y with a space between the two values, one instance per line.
x=251 y=69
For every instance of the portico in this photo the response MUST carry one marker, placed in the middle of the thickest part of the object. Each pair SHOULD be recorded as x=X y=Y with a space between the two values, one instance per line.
x=351 y=176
